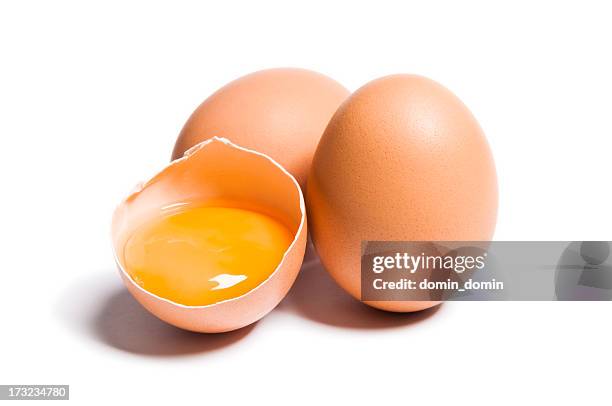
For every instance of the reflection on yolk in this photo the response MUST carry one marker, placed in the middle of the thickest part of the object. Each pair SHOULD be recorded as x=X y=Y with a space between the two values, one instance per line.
x=203 y=255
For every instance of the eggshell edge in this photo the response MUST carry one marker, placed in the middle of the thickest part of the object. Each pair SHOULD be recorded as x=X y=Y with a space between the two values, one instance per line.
x=237 y=312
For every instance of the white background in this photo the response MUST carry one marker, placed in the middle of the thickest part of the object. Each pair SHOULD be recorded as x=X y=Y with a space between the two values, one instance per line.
x=92 y=97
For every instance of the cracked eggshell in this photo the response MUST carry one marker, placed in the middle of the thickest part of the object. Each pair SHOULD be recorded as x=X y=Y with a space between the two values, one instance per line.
x=217 y=170
x=279 y=112
x=402 y=159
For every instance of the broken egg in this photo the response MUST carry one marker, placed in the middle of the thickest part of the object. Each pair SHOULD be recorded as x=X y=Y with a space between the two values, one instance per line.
x=214 y=241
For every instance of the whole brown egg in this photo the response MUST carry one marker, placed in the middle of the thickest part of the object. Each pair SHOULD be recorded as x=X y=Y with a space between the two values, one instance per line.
x=402 y=159
x=278 y=112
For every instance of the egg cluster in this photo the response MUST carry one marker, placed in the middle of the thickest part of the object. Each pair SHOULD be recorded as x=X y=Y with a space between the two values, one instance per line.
x=401 y=158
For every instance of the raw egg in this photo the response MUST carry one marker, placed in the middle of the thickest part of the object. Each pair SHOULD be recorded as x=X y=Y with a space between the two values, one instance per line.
x=215 y=240
x=402 y=159
x=205 y=254
x=279 y=112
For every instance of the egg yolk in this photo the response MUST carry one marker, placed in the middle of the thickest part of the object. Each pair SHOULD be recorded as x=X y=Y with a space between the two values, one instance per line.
x=203 y=255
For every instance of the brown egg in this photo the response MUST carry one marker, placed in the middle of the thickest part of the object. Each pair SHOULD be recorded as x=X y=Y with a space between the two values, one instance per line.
x=214 y=172
x=402 y=159
x=279 y=112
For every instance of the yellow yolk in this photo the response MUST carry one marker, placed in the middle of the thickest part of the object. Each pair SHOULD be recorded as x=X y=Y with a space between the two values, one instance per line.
x=204 y=255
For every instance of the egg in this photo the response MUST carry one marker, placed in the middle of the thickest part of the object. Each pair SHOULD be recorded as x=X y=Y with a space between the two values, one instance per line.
x=214 y=241
x=279 y=112
x=402 y=159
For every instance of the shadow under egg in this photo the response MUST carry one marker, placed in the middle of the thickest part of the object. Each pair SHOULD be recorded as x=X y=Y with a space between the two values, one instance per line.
x=124 y=324
x=103 y=308
x=317 y=297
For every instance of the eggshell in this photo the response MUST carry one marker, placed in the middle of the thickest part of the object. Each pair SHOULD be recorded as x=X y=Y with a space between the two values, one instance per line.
x=217 y=170
x=402 y=159
x=279 y=112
